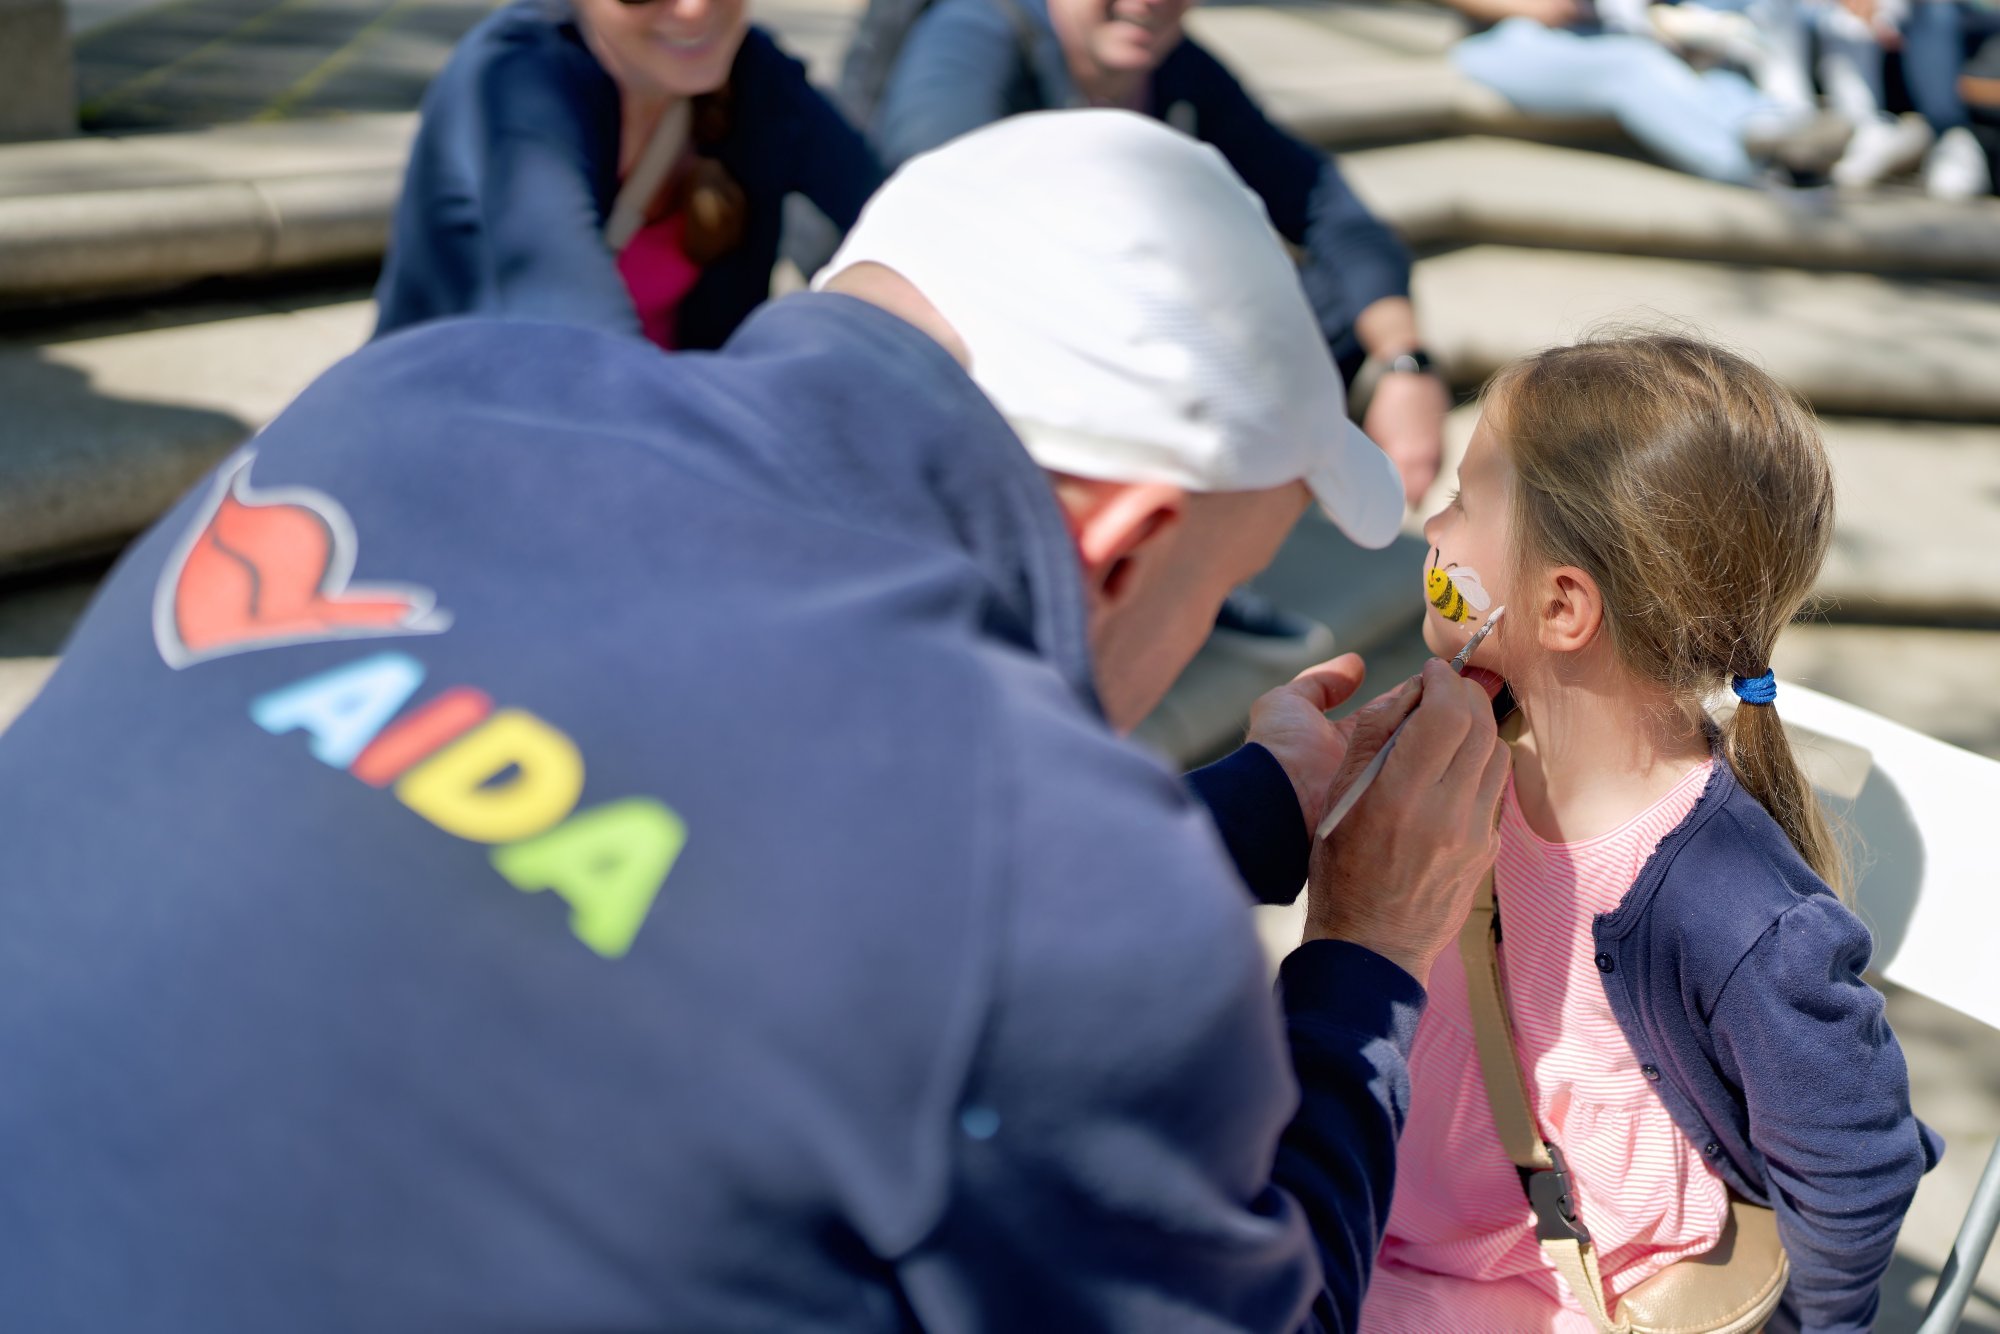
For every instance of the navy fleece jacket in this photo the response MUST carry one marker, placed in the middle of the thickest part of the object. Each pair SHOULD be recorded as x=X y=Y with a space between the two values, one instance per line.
x=515 y=169
x=555 y=837
x=967 y=63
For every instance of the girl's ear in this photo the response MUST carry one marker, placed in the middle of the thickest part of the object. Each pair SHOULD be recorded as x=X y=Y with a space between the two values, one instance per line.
x=1572 y=610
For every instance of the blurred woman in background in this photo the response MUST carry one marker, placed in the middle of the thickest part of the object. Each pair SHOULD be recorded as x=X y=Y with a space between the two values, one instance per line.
x=615 y=163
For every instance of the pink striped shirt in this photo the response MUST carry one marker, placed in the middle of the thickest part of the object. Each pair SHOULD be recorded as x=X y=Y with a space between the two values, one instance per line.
x=1460 y=1253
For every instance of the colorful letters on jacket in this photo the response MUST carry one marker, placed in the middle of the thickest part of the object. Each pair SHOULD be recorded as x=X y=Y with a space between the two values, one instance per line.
x=259 y=570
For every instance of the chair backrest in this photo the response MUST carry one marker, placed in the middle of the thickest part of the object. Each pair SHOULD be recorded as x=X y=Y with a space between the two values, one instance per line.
x=1925 y=816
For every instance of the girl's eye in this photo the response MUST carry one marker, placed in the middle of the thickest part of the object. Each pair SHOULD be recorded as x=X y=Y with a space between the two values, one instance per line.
x=1453 y=504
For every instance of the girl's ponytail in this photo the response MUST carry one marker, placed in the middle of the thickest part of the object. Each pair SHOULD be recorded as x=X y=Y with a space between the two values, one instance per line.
x=1760 y=755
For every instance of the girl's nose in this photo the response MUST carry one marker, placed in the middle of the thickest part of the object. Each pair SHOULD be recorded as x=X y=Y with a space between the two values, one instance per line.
x=1431 y=527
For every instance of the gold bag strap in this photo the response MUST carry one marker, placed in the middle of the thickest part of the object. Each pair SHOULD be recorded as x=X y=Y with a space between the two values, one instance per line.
x=1561 y=1232
x=628 y=210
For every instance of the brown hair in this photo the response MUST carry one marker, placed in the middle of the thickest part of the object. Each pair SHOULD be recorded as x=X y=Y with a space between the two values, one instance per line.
x=1696 y=491
x=716 y=207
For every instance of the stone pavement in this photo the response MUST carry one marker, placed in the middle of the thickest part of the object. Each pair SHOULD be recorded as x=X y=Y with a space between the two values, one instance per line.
x=1850 y=342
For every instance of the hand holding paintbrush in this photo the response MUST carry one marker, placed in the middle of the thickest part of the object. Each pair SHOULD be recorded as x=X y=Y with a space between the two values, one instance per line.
x=1367 y=776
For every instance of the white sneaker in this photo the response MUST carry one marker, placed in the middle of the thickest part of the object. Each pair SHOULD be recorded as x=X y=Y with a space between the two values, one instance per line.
x=1883 y=149
x=1717 y=34
x=1880 y=149
x=1956 y=167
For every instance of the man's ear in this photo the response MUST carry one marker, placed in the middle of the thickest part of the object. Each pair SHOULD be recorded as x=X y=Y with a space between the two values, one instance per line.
x=1572 y=610
x=1116 y=526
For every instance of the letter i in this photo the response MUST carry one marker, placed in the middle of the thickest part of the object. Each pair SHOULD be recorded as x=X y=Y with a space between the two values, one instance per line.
x=423 y=732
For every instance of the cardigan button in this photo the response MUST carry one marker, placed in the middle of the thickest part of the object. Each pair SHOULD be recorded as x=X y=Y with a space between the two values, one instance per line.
x=1605 y=963
x=1711 y=1148
x=1651 y=1072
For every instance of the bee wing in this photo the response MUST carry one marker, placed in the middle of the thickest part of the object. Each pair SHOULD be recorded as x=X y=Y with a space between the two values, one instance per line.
x=1468 y=584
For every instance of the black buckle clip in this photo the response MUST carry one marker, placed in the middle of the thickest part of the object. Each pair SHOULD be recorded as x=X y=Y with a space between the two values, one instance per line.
x=1549 y=1196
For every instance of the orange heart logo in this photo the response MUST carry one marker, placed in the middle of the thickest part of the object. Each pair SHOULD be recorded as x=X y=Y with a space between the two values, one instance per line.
x=261 y=569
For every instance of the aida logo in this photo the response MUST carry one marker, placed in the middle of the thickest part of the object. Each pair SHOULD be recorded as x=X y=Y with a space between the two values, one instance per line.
x=264 y=568
x=496 y=776
x=260 y=569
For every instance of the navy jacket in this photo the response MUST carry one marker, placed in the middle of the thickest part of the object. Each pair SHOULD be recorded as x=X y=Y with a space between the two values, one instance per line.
x=968 y=63
x=515 y=169
x=1737 y=977
x=556 y=837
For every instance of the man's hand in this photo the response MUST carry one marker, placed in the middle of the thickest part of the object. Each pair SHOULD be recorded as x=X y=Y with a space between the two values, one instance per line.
x=1406 y=418
x=1291 y=723
x=1398 y=874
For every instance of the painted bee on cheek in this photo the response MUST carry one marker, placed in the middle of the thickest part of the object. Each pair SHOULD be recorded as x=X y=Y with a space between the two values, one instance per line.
x=1455 y=591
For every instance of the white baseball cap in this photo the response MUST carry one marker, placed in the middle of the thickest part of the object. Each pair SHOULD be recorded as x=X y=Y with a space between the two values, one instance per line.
x=1129 y=309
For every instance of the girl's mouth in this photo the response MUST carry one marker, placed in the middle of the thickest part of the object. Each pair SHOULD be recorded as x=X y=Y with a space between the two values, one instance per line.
x=1490 y=682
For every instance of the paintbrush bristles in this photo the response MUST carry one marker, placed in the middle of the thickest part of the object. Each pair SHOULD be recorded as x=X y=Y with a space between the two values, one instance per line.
x=1465 y=654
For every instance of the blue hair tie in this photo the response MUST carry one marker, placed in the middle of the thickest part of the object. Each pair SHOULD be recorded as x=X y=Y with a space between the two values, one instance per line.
x=1755 y=689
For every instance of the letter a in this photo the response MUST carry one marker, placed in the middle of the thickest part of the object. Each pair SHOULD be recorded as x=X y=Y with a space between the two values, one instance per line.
x=507 y=779
x=343 y=708
x=606 y=863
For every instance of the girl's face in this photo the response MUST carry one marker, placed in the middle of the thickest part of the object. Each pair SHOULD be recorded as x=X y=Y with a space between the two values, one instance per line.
x=672 y=48
x=1472 y=557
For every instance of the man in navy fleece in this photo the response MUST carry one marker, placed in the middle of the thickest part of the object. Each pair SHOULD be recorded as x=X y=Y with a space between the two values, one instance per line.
x=553 y=837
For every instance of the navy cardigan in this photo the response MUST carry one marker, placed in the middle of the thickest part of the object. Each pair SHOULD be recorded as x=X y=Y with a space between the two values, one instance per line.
x=967 y=63
x=1735 y=974
x=515 y=169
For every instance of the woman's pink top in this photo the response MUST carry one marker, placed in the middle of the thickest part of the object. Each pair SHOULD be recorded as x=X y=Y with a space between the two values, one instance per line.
x=658 y=274
x=1460 y=1253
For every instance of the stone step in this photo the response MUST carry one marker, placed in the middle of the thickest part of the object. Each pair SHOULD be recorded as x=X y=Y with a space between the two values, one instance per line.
x=1917 y=537
x=1343 y=75
x=106 y=425
x=1481 y=188
x=115 y=215
x=1852 y=343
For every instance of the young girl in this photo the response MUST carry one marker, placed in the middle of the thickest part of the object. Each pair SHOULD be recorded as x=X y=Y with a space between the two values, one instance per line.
x=1685 y=987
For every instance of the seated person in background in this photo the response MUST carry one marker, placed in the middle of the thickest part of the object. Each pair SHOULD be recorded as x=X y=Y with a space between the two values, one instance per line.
x=621 y=164
x=1775 y=40
x=1578 y=58
x=1680 y=977
x=966 y=63
x=1937 y=37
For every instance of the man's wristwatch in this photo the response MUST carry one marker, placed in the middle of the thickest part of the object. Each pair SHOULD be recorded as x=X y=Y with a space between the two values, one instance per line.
x=1362 y=392
x=1414 y=362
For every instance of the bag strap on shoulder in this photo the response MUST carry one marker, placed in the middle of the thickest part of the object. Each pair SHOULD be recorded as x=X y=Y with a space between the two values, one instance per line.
x=1544 y=1174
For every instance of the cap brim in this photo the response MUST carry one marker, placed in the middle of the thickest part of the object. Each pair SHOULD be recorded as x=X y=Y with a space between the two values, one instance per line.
x=1360 y=489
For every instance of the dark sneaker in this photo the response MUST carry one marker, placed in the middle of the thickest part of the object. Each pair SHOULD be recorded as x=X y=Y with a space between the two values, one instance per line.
x=1252 y=626
x=1809 y=147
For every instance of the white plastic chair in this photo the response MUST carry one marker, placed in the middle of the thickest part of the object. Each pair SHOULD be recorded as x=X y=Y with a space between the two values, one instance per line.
x=1925 y=814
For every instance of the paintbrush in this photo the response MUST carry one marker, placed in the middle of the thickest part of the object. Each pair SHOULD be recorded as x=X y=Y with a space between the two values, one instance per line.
x=1367 y=776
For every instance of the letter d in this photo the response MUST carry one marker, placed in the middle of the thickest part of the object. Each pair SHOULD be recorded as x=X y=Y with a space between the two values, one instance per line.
x=507 y=779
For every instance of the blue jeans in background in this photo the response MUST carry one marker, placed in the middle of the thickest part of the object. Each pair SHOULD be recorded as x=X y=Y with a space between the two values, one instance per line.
x=1693 y=121
x=1937 y=37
